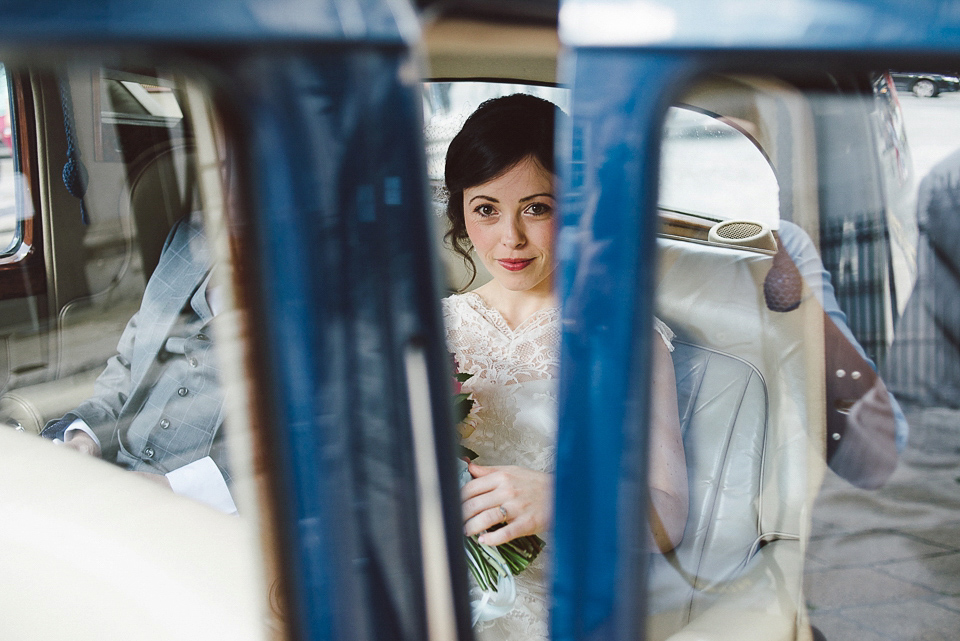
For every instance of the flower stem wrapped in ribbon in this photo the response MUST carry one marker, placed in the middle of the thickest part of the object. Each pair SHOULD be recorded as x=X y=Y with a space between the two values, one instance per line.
x=488 y=563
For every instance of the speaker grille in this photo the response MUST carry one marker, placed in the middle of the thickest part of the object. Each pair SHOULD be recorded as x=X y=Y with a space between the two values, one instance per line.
x=739 y=230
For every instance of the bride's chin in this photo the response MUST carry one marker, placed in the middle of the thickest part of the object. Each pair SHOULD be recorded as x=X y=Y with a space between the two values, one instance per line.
x=513 y=284
x=527 y=288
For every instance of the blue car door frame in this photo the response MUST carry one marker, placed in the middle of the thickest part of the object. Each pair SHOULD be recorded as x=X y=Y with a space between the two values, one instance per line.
x=626 y=63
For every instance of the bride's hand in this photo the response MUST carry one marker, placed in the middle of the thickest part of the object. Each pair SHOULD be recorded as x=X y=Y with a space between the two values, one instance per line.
x=525 y=496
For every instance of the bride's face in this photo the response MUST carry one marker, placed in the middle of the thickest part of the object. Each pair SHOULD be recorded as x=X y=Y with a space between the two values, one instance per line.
x=510 y=221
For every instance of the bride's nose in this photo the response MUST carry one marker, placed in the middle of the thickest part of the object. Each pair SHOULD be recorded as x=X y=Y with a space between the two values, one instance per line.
x=513 y=234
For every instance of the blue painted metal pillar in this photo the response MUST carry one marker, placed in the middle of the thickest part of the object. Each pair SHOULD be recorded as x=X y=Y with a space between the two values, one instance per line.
x=350 y=284
x=607 y=260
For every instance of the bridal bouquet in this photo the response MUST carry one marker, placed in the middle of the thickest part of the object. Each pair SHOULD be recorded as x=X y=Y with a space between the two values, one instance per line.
x=492 y=567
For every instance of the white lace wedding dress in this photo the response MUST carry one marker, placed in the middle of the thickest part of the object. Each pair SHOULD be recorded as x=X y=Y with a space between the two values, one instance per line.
x=515 y=421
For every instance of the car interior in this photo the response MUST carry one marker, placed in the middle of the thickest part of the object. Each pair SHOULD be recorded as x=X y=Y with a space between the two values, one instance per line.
x=750 y=379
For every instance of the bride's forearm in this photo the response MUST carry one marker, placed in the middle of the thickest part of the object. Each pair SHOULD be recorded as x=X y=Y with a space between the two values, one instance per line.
x=667 y=516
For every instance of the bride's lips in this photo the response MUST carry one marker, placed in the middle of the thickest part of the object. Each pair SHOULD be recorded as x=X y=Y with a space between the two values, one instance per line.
x=514 y=264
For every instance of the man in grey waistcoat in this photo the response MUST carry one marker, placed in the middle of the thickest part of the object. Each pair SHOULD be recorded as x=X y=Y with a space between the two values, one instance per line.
x=157 y=408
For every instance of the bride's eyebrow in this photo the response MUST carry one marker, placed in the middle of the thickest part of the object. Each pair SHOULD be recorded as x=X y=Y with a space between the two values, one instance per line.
x=490 y=198
x=525 y=199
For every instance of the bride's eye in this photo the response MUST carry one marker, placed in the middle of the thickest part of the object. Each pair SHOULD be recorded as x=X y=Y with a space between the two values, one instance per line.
x=539 y=209
x=485 y=210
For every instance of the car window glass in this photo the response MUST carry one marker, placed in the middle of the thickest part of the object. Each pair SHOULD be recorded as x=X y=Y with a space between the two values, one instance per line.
x=712 y=169
x=124 y=335
x=826 y=347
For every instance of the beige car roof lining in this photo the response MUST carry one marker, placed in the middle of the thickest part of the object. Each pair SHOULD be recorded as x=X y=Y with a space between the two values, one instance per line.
x=468 y=48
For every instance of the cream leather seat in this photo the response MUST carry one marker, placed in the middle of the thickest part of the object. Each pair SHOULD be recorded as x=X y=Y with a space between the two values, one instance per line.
x=94 y=552
x=750 y=387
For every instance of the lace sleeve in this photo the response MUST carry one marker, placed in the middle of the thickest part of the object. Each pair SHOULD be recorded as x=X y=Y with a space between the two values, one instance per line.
x=665 y=332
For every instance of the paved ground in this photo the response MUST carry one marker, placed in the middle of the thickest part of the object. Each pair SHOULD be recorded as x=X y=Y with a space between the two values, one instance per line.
x=885 y=565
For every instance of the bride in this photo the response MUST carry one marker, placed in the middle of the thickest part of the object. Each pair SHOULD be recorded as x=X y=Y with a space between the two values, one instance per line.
x=500 y=178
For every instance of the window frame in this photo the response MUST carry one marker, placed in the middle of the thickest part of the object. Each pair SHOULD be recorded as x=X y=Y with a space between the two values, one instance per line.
x=22 y=268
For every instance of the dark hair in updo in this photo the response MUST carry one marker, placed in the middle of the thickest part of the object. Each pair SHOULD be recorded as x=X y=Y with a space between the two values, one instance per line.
x=496 y=137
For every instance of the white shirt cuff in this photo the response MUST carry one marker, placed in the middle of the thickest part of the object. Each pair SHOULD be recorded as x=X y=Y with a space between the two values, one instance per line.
x=80 y=425
x=202 y=481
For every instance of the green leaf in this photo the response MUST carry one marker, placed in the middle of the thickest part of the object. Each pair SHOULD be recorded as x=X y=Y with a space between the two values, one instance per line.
x=462 y=404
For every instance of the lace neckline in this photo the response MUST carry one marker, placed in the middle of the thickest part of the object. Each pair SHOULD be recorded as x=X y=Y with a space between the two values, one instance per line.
x=496 y=318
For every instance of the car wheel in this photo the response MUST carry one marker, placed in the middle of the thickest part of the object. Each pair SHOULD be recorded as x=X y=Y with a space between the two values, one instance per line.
x=924 y=89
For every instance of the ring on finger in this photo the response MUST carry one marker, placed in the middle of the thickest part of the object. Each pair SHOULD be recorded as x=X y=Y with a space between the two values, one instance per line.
x=503 y=514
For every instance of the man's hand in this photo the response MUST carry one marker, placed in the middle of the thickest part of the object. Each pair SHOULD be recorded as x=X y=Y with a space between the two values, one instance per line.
x=159 y=479
x=82 y=442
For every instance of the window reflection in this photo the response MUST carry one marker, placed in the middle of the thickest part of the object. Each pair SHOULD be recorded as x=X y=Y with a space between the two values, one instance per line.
x=116 y=340
x=842 y=413
x=710 y=168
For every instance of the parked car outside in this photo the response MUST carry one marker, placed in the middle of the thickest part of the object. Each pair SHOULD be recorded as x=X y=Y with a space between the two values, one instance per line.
x=925 y=85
